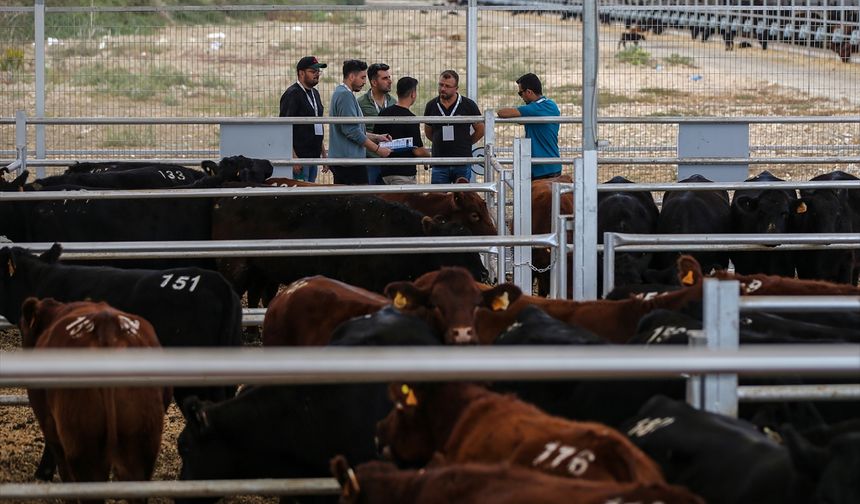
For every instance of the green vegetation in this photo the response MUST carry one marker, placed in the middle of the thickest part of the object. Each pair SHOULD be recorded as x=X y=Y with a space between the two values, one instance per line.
x=633 y=55
x=605 y=99
x=12 y=59
x=663 y=92
x=136 y=86
x=65 y=25
x=678 y=60
x=129 y=137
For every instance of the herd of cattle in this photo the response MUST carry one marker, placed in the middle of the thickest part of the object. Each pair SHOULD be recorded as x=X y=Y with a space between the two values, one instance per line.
x=609 y=441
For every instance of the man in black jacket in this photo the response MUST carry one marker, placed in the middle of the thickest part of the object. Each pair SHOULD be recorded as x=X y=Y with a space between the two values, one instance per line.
x=302 y=100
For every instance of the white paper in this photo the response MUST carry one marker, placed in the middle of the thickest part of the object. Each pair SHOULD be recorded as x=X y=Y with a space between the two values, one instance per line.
x=318 y=129
x=448 y=133
x=398 y=143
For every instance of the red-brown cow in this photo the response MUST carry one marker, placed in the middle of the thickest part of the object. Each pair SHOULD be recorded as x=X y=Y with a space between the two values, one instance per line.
x=467 y=208
x=468 y=423
x=772 y=285
x=310 y=309
x=382 y=483
x=93 y=431
x=542 y=223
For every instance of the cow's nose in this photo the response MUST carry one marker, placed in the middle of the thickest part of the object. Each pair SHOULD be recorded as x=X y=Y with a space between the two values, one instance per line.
x=462 y=335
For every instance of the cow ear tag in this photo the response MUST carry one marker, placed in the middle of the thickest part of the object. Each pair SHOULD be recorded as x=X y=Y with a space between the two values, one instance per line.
x=688 y=278
x=501 y=302
x=400 y=301
x=801 y=208
x=411 y=400
x=11 y=267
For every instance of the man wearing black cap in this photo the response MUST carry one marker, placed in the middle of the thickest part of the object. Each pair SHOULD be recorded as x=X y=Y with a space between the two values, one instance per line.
x=302 y=100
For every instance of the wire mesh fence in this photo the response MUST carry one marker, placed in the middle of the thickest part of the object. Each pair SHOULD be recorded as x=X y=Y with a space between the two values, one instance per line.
x=662 y=59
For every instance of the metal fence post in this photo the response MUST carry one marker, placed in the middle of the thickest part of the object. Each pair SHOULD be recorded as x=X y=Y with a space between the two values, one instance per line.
x=585 y=228
x=472 y=50
x=522 y=212
x=722 y=300
x=696 y=339
x=39 y=17
x=489 y=142
x=501 y=226
x=560 y=226
x=21 y=139
x=609 y=239
x=589 y=75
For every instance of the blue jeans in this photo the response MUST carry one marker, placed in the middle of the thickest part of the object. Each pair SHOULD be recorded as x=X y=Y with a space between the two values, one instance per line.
x=373 y=177
x=309 y=173
x=449 y=174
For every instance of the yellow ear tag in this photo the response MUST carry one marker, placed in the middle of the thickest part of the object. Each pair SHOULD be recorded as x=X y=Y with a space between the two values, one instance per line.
x=501 y=302
x=801 y=208
x=400 y=301
x=11 y=267
x=688 y=278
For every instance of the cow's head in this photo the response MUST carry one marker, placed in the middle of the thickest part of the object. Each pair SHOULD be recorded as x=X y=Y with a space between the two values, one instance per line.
x=471 y=209
x=15 y=282
x=205 y=455
x=448 y=299
x=406 y=433
x=36 y=316
x=763 y=211
x=16 y=185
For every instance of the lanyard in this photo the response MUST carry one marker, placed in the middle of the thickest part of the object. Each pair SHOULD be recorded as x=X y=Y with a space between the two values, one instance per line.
x=385 y=103
x=454 y=110
x=310 y=97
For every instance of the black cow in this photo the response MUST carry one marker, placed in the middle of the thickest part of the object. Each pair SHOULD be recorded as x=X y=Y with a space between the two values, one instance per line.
x=244 y=169
x=188 y=307
x=247 y=169
x=827 y=211
x=144 y=177
x=116 y=166
x=316 y=217
x=625 y=212
x=722 y=459
x=832 y=468
x=695 y=212
x=293 y=431
x=604 y=401
x=763 y=211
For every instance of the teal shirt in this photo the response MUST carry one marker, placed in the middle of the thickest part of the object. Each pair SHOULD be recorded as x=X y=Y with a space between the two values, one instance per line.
x=544 y=136
x=345 y=140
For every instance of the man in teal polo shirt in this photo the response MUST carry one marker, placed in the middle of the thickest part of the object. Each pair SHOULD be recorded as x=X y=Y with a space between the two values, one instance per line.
x=544 y=136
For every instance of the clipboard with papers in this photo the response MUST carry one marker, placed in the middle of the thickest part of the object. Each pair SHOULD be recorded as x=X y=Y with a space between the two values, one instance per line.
x=398 y=144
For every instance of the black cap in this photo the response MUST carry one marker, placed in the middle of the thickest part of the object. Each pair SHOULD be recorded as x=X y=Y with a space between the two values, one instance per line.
x=309 y=62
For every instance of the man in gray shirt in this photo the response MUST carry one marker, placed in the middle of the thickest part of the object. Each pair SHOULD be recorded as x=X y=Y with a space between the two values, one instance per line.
x=351 y=140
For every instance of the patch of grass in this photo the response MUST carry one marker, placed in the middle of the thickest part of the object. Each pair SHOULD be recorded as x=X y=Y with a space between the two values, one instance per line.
x=77 y=50
x=171 y=101
x=606 y=99
x=678 y=60
x=663 y=92
x=129 y=137
x=136 y=49
x=667 y=113
x=633 y=55
x=214 y=82
x=122 y=82
x=12 y=59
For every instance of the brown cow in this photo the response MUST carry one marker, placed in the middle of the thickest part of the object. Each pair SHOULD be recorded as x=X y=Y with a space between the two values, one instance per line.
x=614 y=320
x=468 y=423
x=382 y=483
x=542 y=223
x=309 y=310
x=93 y=431
x=466 y=208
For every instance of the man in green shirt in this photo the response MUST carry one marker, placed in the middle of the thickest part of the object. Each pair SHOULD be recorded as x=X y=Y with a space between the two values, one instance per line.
x=372 y=103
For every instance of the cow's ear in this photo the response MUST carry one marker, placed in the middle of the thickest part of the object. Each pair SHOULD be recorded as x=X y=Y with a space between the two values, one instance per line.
x=345 y=476
x=29 y=311
x=210 y=167
x=746 y=203
x=52 y=255
x=405 y=295
x=689 y=271
x=501 y=296
x=799 y=207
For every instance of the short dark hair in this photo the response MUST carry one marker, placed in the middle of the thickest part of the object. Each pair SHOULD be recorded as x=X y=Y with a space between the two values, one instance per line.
x=406 y=85
x=353 y=66
x=375 y=68
x=531 y=81
x=451 y=74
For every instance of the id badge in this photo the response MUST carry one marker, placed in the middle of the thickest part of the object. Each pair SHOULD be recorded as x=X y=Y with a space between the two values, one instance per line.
x=448 y=133
x=318 y=129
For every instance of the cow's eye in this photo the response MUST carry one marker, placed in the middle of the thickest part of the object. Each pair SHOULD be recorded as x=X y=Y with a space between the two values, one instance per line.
x=475 y=217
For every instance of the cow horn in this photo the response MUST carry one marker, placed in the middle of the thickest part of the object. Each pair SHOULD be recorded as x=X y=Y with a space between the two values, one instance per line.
x=400 y=301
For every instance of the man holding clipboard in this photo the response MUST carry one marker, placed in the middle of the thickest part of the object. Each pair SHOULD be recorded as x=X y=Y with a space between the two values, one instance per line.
x=456 y=139
x=406 y=137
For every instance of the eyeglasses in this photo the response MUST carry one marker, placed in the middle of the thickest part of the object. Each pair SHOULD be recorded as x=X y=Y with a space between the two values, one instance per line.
x=521 y=91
